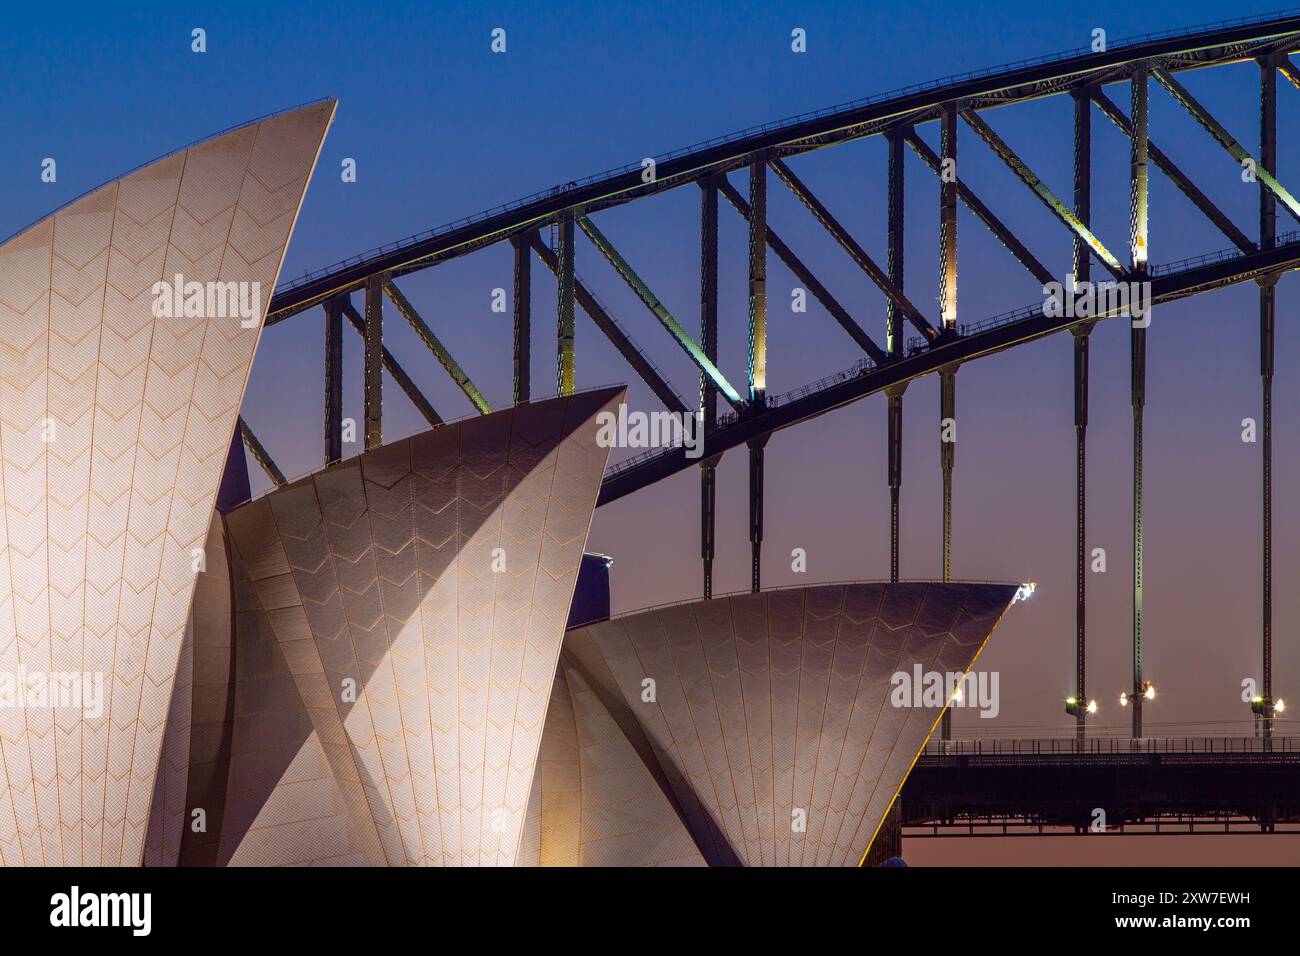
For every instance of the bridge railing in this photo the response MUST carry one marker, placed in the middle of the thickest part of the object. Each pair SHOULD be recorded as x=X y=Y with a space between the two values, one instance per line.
x=1109 y=745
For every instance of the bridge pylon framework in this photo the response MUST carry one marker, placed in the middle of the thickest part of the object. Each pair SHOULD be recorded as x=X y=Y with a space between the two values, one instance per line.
x=940 y=343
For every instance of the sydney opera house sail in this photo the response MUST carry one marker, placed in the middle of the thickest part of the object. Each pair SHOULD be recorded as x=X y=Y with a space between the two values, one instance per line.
x=370 y=666
x=595 y=800
x=119 y=390
x=762 y=725
x=379 y=694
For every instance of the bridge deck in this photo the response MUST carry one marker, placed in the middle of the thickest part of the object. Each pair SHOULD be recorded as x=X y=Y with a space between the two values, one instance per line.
x=1165 y=785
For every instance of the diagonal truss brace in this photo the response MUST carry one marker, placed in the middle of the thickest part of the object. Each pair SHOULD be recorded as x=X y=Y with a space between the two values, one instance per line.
x=260 y=454
x=1288 y=69
x=855 y=251
x=981 y=211
x=1058 y=208
x=805 y=276
x=1176 y=175
x=660 y=312
x=439 y=350
x=1216 y=129
x=403 y=380
x=603 y=321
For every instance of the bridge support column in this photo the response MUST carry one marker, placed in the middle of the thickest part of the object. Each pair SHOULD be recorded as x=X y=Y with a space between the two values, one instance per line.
x=758 y=282
x=708 y=391
x=1082 y=273
x=894 y=315
x=948 y=219
x=708 y=510
x=1081 y=334
x=564 y=324
x=947 y=458
x=948 y=325
x=1267 y=304
x=523 y=305
x=895 y=466
x=1137 y=347
x=374 y=362
x=757 y=354
x=894 y=336
x=756 y=511
x=333 y=381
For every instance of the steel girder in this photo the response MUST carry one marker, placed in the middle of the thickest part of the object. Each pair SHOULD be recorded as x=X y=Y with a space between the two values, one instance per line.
x=948 y=219
x=603 y=321
x=1139 y=247
x=1040 y=189
x=659 y=310
x=757 y=363
x=854 y=249
x=981 y=211
x=708 y=391
x=1267 y=335
x=896 y=258
x=565 y=278
x=1082 y=332
x=805 y=276
x=403 y=380
x=813 y=401
x=1176 y=175
x=523 y=308
x=434 y=345
x=373 y=332
x=260 y=454
x=1225 y=139
x=334 y=380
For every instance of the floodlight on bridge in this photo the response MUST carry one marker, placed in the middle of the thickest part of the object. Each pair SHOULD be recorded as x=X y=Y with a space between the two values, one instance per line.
x=1148 y=693
x=1261 y=707
x=1025 y=592
x=1075 y=705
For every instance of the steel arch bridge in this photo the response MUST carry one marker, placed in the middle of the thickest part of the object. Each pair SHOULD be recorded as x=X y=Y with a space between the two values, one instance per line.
x=1101 y=79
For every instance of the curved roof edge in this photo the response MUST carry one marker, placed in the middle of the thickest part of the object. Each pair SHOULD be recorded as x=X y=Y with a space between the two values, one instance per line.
x=158 y=159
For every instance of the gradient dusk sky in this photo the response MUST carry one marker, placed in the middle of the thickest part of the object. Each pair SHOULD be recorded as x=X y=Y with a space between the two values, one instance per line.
x=440 y=127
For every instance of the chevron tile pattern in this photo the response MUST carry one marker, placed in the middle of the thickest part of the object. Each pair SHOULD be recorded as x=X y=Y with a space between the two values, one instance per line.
x=398 y=618
x=114 y=426
x=199 y=707
x=283 y=789
x=764 y=705
x=595 y=802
